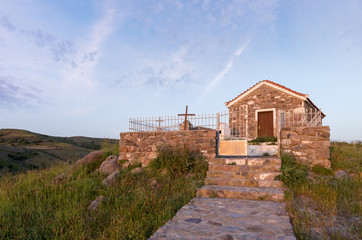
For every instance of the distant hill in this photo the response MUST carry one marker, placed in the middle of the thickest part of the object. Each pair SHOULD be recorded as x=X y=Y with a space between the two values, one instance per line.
x=21 y=150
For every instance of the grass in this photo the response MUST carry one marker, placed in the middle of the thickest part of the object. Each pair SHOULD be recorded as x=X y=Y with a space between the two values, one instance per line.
x=320 y=205
x=347 y=156
x=258 y=140
x=32 y=206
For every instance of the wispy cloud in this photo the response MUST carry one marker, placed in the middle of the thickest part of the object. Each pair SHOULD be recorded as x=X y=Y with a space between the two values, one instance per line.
x=12 y=94
x=221 y=75
x=165 y=73
x=91 y=50
x=88 y=55
x=5 y=22
x=62 y=50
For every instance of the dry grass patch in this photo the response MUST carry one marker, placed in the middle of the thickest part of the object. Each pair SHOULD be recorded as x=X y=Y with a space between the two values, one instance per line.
x=322 y=205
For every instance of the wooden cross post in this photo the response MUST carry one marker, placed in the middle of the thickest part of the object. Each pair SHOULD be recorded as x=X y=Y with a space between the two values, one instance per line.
x=159 y=123
x=186 y=115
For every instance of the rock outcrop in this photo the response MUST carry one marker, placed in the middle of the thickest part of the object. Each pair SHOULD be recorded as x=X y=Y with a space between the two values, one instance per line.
x=90 y=158
x=95 y=204
x=110 y=165
x=111 y=180
x=137 y=170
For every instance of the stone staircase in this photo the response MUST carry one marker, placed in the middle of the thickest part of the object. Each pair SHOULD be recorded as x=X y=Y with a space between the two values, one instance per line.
x=243 y=178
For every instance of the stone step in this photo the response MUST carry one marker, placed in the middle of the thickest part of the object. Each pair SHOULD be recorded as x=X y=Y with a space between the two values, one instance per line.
x=244 y=182
x=244 y=168
x=264 y=161
x=250 y=193
x=243 y=175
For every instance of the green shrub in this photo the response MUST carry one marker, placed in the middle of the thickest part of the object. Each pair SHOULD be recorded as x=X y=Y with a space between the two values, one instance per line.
x=320 y=170
x=293 y=172
x=264 y=139
x=179 y=161
x=233 y=163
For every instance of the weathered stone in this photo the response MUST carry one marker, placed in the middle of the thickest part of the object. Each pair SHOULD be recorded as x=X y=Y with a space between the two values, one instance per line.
x=123 y=149
x=111 y=180
x=236 y=219
x=164 y=171
x=309 y=131
x=299 y=130
x=297 y=148
x=60 y=179
x=310 y=147
x=154 y=183
x=110 y=165
x=225 y=237
x=325 y=135
x=125 y=164
x=220 y=194
x=324 y=153
x=137 y=170
x=90 y=158
x=340 y=174
x=142 y=147
x=193 y=220
x=95 y=204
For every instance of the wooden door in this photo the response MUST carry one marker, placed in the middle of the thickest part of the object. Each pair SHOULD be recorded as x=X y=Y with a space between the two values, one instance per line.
x=265 y=124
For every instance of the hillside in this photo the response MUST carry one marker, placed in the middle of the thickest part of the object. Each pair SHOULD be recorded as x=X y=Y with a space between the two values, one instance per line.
x=54 y=203
x=21 y=150
x=72 y=201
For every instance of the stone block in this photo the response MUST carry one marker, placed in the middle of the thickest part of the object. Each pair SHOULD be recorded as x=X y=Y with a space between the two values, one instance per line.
x=299 y=131
x=316 y=145
x=123 y=149
x=286 y=142
x=309 y=131
x=322 y=162
x=297 y=148
x=325 y=135
x=324 y=153
x=326 y=143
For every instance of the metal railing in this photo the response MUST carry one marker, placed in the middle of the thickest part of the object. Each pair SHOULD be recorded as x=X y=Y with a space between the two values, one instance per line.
x=172 y=123
x=234 y=127
x=305 y=119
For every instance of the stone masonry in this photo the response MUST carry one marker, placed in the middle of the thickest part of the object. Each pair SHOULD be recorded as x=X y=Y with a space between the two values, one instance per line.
x=228 y=219
x=309 y=145
x=243 y=178
x=265 y=97
x=241 y=200
x=141 y=147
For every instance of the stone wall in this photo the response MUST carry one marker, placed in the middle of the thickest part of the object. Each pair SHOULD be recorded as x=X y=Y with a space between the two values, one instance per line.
x=142 y=146
x=310 y=145
x=264 y=97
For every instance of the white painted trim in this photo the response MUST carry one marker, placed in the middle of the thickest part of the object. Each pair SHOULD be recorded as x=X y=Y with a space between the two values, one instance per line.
x=274 y=118
x=270 y=85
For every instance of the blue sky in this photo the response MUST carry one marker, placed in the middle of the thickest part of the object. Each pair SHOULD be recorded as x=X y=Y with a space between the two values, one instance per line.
x=82 y=67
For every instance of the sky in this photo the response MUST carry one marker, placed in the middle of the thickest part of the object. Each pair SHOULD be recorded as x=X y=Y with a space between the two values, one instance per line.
x=83 y=67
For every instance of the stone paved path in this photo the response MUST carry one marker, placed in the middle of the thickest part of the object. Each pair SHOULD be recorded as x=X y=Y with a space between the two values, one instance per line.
x=228 y=219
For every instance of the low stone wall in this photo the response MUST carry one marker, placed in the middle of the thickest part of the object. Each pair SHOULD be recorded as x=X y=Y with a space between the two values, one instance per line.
x=309 y=145
x=142 y=146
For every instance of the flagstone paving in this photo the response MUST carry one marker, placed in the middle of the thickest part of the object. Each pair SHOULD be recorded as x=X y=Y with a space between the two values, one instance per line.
x=227 y=219
x=228 y=207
